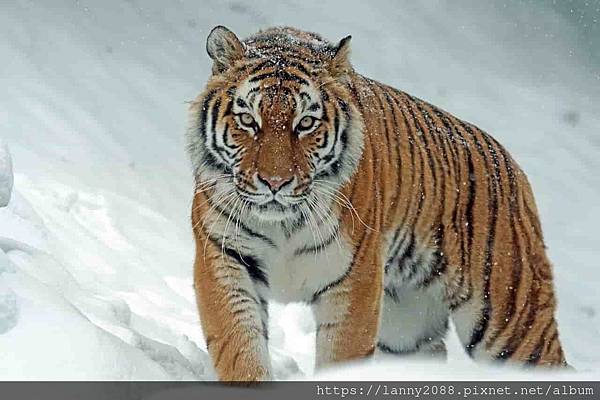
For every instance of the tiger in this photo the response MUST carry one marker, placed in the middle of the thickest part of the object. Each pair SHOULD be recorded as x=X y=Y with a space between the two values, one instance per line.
x=385 y=214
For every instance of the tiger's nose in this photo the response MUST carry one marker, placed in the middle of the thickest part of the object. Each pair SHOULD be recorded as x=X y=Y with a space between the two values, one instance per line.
x=274 y=182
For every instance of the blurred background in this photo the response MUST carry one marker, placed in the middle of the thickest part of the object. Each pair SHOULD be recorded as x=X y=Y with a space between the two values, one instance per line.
x=95 y=244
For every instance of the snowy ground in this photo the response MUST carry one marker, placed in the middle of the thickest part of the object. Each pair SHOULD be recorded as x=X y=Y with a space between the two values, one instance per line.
x=95 y=245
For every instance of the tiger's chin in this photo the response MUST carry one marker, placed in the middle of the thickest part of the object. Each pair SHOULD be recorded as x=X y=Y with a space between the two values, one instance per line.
x=274 y=212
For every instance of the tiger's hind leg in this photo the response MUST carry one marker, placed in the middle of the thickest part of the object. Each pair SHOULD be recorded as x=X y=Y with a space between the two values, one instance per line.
x=413 y=322
x=528 y=335
x=499 y=282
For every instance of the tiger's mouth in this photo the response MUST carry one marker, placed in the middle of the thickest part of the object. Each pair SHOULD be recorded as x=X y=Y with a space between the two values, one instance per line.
x=279 y=205
x=273 y=199
x=274 y=211
x=276 y=206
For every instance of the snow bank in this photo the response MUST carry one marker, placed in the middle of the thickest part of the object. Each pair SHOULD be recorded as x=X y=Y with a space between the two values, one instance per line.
x=6 y=174
x=55 y=326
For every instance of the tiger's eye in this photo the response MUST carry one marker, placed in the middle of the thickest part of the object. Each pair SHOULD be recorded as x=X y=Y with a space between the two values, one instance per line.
x=247 y=119
x=306 y=123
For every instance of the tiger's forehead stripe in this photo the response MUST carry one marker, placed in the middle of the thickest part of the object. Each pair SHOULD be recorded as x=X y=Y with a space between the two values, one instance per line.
x=280 y=74
x=305 y=98
x=292 y=78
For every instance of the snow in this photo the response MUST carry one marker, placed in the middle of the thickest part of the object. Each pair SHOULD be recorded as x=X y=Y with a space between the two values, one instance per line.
x=95 y=244
x=6 y=174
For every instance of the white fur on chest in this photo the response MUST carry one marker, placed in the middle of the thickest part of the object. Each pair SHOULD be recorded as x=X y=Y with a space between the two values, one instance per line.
x=296 y=278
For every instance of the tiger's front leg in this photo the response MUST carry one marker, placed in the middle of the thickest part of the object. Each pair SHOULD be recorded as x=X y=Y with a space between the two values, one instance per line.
x=232 y=315
x=347 y=311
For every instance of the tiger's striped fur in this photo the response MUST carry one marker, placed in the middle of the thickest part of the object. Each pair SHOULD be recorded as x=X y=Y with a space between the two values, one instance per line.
x=389 y=217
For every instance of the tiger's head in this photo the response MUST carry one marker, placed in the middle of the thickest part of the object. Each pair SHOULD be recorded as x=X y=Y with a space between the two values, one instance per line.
x=276 y=128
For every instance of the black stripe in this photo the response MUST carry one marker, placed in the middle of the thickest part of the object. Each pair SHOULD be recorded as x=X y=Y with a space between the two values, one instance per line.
x=305 y=98
x=396 y=244
x=411 y=151
x=537 y=352
x=440 y=266
x=252 y=93
x=319 y=293
x=481 y=328
x=514 y=210
x=433 y=131
x=241 y=103
x=439 y=263
x=294 y=64
x=261 y=66
x=396 y=147
x=332 y=153
x=338 y=281
x=204 y=111
x=413 y=267
x=336 y=123
x=290 y=228
x=471 y=193
x=255 y=234
x=344 y=106
x=215 y=114
x=472 y=190
x=412 y=143
x=426 y=132
x=517 y=255
x=386 y=349
x=264 y=305
x=229 y=150
x=392 y=292
x=424 y=138
x=281 y=74
x=228 y=108
x=419 y=343
x=450 y=135
x=314 y=107
x=237 y=300
x=449 y=138
x=251 y=264
x=410 y=250
x=325 y=142
x=382 y=118
x=495 y=161
x=324 y=114
x=240 y=292
x=319 y=247
x=242 y=226
x=326 y=325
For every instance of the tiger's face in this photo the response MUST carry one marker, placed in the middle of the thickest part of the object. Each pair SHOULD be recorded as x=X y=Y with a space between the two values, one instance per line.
x=270 y=135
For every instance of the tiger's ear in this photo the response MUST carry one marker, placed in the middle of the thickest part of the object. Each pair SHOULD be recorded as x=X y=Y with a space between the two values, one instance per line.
x=340 y=62
x=224 y=48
